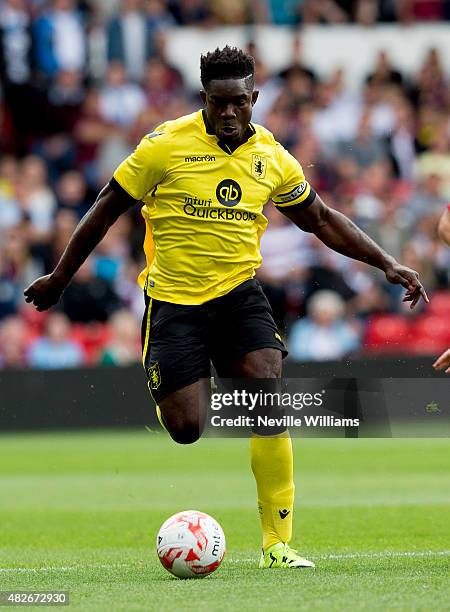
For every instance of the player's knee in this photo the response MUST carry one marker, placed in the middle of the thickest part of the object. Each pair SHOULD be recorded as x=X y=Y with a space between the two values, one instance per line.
x=183 y=429
x=185 y=433
x=263 y=363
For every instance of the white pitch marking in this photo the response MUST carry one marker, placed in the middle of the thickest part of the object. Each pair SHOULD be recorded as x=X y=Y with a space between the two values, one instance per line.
x=67 y=568
x=368 y=555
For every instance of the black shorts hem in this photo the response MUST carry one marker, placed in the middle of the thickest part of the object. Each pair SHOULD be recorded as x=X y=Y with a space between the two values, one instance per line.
x=160 y=395
x=255 y=347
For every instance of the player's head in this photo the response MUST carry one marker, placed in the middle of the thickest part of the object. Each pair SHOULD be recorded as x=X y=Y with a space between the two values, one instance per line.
x=228 y=79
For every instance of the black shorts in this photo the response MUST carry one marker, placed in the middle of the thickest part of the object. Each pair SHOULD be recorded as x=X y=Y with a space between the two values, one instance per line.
x=179 y=342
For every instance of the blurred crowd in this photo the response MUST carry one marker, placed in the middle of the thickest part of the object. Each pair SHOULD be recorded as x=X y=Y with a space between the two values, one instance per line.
x=380 y=154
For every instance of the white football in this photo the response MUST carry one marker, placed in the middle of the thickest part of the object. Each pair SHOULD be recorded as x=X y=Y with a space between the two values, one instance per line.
x=190 y=544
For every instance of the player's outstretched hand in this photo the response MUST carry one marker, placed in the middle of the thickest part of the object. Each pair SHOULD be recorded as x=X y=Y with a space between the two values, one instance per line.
x=45 y=292
x=443 y=362
x=409 y=279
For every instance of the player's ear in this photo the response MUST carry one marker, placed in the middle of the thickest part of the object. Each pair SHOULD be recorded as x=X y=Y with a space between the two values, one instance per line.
x=255 y=95
x=203 y=96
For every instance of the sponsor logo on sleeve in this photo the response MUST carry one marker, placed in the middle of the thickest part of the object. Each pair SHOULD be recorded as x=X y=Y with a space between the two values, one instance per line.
x=154 y=134
x=292 y=195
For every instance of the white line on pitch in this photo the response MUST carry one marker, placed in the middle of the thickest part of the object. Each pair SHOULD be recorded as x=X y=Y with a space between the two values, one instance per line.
x=67 y=568
x=368 y=555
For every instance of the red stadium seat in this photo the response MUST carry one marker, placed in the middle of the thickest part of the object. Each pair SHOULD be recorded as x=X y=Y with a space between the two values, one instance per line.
x=386 y=334
x=34 y=319
x=440 y=304
x=92 y=337
x=429 y=334
x=424 y=345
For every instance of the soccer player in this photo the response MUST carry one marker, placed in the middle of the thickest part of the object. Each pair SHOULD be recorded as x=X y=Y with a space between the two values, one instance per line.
x=203 y=180
x=444 y=234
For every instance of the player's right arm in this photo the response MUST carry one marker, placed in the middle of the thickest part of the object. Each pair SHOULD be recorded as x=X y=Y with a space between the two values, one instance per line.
x=133 y=179
x=109 y=205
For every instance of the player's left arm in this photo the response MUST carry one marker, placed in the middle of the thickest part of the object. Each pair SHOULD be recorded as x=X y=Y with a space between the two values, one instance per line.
x=340 y=234
x=444 y=226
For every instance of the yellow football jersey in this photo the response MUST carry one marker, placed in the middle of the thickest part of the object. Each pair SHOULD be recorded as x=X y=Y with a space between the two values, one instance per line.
x=203 y=205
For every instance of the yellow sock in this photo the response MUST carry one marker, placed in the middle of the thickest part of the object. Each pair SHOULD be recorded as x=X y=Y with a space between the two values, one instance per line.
x=272 y=466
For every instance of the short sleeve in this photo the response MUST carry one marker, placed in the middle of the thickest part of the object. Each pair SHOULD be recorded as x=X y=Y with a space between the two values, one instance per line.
x=294 y=191
x=145 y=167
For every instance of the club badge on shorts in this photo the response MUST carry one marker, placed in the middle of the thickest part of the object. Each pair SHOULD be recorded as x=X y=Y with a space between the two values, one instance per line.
x=154 y=375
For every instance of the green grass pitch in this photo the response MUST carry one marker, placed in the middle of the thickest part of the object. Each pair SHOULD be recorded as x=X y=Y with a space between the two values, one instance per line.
x=79 y=511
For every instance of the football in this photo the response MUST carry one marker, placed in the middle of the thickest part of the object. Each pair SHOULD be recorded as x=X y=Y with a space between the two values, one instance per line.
x=190 y=544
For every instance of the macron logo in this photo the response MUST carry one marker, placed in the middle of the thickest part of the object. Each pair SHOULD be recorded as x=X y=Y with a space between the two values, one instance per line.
x=199 y=158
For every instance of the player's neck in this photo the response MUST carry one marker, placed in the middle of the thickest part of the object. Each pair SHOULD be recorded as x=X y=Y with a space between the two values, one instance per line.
x=228 y=146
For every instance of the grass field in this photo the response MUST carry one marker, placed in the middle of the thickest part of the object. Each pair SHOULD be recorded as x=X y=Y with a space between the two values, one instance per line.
x=79 y=511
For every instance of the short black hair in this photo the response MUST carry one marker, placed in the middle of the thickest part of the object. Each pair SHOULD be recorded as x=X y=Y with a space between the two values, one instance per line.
x=226 y=63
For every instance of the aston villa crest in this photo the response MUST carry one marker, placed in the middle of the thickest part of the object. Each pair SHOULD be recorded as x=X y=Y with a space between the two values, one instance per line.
x=259 y=166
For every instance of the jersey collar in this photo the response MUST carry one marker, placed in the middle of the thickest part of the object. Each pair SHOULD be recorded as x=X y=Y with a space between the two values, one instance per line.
x=249 y=132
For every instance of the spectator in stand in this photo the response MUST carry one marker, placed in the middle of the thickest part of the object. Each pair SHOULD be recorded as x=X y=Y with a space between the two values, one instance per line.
x=236 y=12
x=124 y=347
x=16 y=72
x=120 y=100
x=384 y=72
x=129 y=292
x=374 y=190
x=436 y=161
x=17 y=267
x=326 y=11
x=13 y=335
x=191 y=12
x=430 y=86
x=402 y=140
x=336 y=115
x=269 y=88
x=297 y=64
x=48 y=253
x=40 y=199
x=91 y=131
x=54 y=349
x=73 y=193
x=64 y=99
x=286 y=254
x=421 y=10
x=426 y=198
x=130 y=35
x=324 y=334
x=284 y=13
x=161 y=84
x=89 y=298
x=158 y=15
x=365 y=149
x=10 y=214
x=113 y=251
x=60 y=39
